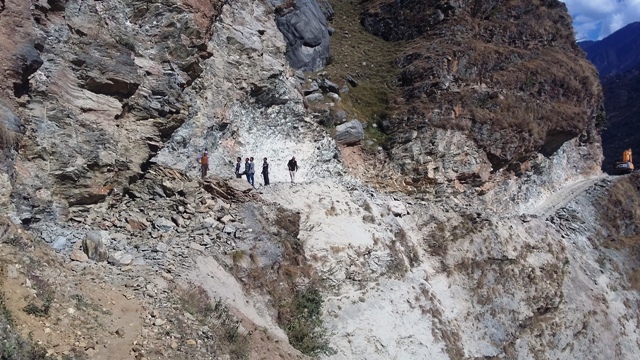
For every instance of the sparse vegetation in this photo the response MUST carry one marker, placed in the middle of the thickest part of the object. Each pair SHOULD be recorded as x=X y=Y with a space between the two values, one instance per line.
x=196 y=301
x=238 y=257
x=368 y=59
x=368 y=218
x=367 y=207
x=39 y=309
x=396 y=265
x=12 y=345
x=295 y=288
x=445 y=233
x=303 y=322
x=377 y=137
x=619 y=212
x=45 y=294
x=332 y=211
x=288 y=221
x=11 y=235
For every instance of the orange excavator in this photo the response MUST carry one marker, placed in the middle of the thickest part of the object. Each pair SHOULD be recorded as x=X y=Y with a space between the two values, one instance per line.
x=626 y=165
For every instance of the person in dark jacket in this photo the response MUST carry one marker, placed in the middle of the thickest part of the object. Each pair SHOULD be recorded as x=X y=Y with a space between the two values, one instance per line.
x=293 y=167
x=247 y=166
x=265 y=171
x=238 y=165
x=252 y=171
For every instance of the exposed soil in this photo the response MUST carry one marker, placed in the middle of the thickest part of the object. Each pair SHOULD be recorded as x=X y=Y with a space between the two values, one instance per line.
x=89 y=316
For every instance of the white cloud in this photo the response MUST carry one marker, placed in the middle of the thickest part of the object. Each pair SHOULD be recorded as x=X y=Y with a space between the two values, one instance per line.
x=595 y=19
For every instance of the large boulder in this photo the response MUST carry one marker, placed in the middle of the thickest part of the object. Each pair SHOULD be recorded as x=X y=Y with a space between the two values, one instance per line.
x=349 y=133
x=304 y=27
x=95 y=247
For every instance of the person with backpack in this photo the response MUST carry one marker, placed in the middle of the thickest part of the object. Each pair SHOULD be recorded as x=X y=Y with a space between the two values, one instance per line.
x=238 y=164
x=252 y=171
x=204 y=163
x=293 y=167
x=265 y=171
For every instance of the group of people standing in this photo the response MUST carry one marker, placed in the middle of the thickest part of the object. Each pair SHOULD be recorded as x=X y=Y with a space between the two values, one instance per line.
x=249 y=168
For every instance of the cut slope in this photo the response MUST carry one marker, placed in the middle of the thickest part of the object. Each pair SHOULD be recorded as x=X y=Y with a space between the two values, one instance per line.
x=483 y=69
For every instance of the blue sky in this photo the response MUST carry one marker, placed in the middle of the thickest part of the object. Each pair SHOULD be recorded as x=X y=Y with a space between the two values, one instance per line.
x=595 y=19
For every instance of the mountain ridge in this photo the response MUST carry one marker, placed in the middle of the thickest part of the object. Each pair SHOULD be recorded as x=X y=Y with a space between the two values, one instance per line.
x=617 y=53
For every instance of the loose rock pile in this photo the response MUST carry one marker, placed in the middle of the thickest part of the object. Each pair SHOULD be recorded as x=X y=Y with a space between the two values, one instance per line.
x=148 y=239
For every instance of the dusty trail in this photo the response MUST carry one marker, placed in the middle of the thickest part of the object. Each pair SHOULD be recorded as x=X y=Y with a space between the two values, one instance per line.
x=561 y=198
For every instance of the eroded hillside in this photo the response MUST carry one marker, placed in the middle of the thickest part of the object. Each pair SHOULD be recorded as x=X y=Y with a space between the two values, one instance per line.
x=449 y=203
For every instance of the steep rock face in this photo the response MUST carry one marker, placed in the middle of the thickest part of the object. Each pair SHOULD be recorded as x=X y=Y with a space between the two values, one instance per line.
x=99 y=84
x=480 y=69
x=304 y=26
x=247 y=104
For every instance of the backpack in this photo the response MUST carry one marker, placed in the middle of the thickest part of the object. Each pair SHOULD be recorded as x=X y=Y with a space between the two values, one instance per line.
x=204 y=160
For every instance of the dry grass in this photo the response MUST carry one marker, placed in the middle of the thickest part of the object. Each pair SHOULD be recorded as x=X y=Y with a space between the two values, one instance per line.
x=45 y=294
x=365 y=57
x=13 y=346
x=8 y=139
x=369 y=218
x=13 y=235
x=227 y=339
x=619 y=213
x=238 y=257
x=288 y=221
x=332 y=211
x=488 y=80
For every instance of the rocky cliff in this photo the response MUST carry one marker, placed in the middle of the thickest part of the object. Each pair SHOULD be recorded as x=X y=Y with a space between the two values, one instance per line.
x=481 y=226
x=617 y=58
x=480 y=70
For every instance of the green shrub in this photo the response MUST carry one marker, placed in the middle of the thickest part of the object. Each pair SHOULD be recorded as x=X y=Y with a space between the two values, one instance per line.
x=302 y=317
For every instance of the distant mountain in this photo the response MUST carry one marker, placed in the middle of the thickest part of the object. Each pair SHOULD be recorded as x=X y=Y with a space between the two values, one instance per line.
x=617 y=58
x=617 y=53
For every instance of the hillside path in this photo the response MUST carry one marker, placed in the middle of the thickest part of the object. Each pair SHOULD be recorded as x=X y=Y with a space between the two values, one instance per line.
x=562 y=197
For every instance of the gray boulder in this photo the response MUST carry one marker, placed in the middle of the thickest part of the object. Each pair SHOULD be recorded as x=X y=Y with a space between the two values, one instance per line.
x=315 y=97
x=59 y=243
x=350 y=133
x=163 y=224
x=310 y=88
x=304 y=27
x=94 y=246
x=120 y=258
